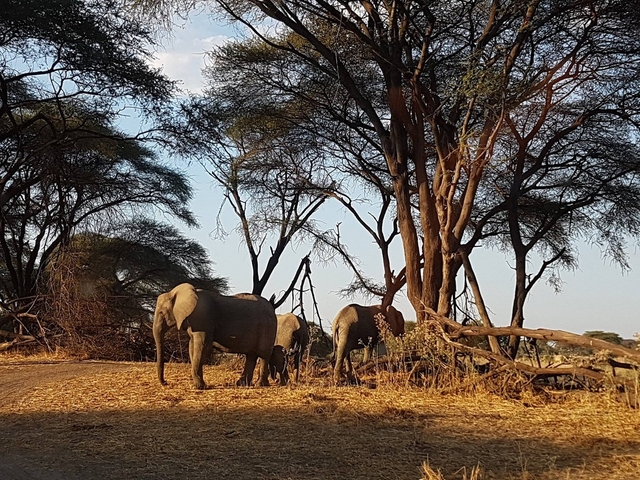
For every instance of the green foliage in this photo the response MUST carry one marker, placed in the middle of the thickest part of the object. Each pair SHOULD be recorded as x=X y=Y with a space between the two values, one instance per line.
x=82 y=261
x=610 y=337
x=94 y=44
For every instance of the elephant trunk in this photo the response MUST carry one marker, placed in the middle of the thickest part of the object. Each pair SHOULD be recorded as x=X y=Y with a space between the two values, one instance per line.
x=158 y=335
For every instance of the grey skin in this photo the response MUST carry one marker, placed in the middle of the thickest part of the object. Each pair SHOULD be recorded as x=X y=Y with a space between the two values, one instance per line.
x=242 y=323
x=292 y=339
x=355 y=327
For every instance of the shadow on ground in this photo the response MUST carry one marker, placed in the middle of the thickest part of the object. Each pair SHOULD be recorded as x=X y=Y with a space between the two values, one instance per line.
x=245 y=442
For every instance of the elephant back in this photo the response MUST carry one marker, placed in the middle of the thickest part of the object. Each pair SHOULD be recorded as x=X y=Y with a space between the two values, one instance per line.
x=244 y=322
x=355 y=325
x=292 y=330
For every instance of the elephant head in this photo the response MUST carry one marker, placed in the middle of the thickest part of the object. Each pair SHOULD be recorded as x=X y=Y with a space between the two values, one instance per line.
x=172 y=309
x=395 y=319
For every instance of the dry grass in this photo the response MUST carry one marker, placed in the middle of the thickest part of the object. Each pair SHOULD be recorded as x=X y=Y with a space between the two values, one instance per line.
x=38 y=354
x=429 y=473
x=125 y=425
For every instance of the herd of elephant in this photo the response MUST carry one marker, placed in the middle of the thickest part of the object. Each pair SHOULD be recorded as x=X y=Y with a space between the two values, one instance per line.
x=247 y=324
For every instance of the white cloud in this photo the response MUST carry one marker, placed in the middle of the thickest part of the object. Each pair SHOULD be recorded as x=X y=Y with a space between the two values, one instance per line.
x=182 y=58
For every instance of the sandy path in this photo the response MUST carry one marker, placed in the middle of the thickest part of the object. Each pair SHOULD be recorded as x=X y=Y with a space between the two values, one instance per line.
x=17 y=380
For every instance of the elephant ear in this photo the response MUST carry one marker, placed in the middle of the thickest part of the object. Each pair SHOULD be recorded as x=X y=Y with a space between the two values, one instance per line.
x=396 y=320
x=184 y=303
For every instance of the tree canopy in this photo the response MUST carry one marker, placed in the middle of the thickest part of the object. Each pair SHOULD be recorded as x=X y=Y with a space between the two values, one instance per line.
x=73 y=184
x=495 y=123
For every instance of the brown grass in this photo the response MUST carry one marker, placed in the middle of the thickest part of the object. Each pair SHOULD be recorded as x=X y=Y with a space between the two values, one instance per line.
x=125 y=425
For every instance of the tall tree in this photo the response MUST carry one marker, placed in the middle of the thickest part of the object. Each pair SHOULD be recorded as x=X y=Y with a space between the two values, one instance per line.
x=101 y=288
x=272 y=173
x=452 y=79
x=492 y=117
x=68 y=69
x=288 y=101
x=91 y=182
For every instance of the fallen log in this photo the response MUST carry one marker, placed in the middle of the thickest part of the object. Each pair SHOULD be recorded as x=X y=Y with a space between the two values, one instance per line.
x=456 y=330
x=546 y=372
x=17 y=344
x=15 y=336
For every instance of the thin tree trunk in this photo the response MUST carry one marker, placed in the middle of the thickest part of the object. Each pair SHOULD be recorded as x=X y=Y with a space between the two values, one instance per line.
x=520 y=295
x=480 y=305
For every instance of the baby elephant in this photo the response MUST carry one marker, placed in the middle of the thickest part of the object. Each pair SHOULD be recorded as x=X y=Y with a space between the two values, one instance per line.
x=355 y=327
x=292 y=339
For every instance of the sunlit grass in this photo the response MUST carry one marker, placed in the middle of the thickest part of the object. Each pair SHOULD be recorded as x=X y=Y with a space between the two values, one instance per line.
x=124 y=423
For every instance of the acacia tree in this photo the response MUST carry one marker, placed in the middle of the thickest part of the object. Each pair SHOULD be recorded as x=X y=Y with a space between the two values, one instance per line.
x=569 y=163
x=422 y=132
x=68 y=68
x=94 y=182
x=295 y=105
x=272 y=174
x=101 y=287
x=491 y=118
x=455 y=81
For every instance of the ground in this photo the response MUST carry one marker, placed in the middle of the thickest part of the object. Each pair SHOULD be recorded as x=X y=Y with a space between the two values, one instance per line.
x=96 y=420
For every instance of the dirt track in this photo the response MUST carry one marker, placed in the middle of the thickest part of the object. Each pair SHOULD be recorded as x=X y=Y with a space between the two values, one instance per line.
x=100 y=420
x=17 y=380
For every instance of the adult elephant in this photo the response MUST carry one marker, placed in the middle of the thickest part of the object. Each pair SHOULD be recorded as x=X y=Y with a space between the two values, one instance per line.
x=292 y=339
x=242 y=323
x=355 y=327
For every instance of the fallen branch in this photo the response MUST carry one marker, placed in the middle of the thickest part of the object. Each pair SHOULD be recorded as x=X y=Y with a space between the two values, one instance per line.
x=615 y=364
x=455 y=331
x=17 y=344
x=16 y=336
x=529 y=369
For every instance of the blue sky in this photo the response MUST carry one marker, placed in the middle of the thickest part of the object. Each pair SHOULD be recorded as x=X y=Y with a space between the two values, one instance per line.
x=597 y=296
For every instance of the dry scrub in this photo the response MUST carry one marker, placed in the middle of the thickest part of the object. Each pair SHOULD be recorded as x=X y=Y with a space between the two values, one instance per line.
x=123 y=424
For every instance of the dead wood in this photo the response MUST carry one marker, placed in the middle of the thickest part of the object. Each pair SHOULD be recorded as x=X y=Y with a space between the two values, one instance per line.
x=15 y=336
x=386 y=362
x=536 y=372
x=17 y=344
x=455 y=331
x=615 y=364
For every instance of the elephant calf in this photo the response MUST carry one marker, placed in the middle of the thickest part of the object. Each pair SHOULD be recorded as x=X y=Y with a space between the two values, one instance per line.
x=355 y=327
x=242 y=323
x=292 y=339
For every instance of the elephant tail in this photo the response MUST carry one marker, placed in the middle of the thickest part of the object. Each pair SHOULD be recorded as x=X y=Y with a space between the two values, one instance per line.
x=335 y=342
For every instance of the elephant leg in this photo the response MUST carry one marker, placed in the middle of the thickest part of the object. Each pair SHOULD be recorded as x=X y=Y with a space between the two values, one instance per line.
x=284 y=371
x=247 y=374
x=340 y=357
x=277 y=362
x=196 y=351
x=263 y=373
x=296 y=365
x=207 y=351
x=273 y=369
x=351 y=378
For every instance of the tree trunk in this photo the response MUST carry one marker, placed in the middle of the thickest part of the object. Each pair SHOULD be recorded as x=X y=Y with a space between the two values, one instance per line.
x=520 y=295
x=479 y=300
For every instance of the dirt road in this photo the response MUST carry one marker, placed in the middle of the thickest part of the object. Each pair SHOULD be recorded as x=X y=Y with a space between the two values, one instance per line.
x=101 y=420
x=17 y=380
